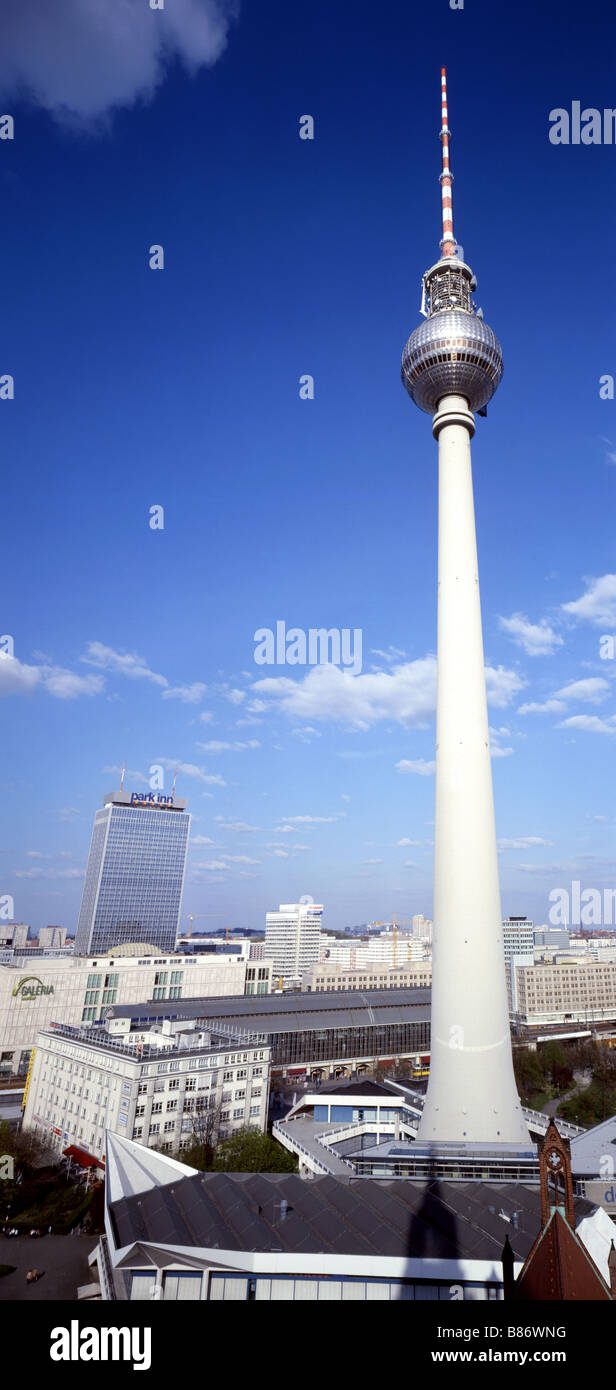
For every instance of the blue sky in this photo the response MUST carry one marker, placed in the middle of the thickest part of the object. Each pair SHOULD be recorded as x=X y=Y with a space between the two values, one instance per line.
x=180 y=388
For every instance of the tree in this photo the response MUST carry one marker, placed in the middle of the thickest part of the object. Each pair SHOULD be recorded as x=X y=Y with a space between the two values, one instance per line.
x=249 y=1151
x=205 y=1120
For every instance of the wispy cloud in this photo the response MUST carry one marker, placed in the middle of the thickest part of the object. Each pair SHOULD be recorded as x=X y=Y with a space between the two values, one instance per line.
x=536 y=639
x=188 y=694
x=124 y=663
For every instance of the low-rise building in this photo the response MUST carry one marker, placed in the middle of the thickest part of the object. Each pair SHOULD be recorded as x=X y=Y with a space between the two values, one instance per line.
x=331 y=975
x=164 y=1085
x=270 y=1237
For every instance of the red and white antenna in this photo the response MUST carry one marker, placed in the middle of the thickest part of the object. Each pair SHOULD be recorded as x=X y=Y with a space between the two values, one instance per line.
x=122 y=777
x=448 y=244
x=174 y=779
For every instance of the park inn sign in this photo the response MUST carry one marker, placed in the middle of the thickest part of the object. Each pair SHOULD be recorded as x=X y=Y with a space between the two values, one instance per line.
x=30 y=987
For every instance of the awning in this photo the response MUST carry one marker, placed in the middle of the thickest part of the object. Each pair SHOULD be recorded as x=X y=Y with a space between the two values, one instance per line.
x=82 y=1157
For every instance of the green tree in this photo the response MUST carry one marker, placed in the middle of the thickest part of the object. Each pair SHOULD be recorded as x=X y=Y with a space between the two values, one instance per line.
x=249 y=1151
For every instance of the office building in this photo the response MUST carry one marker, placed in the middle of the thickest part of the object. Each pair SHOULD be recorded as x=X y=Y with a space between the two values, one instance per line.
x=78 y=989
x=328 y=976
x=135 y=874
x=165 y=1085
x=568 y=990
x=518 y=943
x=292 y=940
x=52 y=938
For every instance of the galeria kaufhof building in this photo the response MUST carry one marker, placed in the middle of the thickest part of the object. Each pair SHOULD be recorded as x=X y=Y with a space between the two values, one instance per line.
x=313 y=1034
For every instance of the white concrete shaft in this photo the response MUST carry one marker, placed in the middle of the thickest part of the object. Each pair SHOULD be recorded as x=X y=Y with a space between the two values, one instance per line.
x=471 y=1094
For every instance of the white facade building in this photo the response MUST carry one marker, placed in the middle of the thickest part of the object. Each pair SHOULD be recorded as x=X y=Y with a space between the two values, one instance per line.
x=154 y=1086
x=292 y=940
x=76 y=990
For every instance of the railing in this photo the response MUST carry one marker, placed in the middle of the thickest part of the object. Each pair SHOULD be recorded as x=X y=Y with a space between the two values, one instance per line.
x=104 y=1264
x=565 y=1127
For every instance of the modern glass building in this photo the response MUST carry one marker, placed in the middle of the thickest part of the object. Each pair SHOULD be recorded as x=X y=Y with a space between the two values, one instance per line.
x=135 y=874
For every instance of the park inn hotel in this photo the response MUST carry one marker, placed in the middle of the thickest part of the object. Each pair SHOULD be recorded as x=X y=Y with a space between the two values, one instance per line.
x=135 y=874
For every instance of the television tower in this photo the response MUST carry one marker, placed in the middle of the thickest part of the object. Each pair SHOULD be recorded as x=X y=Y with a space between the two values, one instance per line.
x=451 y=366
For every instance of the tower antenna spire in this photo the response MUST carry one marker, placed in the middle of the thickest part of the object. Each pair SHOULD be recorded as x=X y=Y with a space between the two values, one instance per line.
x=447 y=244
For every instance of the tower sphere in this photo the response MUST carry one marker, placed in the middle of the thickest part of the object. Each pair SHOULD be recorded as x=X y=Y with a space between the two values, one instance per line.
x=452 y=353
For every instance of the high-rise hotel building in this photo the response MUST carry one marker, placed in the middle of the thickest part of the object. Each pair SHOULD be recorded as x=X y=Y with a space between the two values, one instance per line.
x=292 y=940
x=135 y=874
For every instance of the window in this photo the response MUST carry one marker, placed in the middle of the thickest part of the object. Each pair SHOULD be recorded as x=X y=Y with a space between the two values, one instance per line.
x=142 y=1285
x=238 y=1114
x=182 y=1287
x=191 y=1083
x=154 y=1129
x=172 y=1104
x=157 y=1107
x=173 y=1085
x=169 y=1126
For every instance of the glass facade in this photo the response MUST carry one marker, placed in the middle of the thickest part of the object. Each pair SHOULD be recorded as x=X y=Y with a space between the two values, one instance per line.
x=370 y=1040
x=134 y=879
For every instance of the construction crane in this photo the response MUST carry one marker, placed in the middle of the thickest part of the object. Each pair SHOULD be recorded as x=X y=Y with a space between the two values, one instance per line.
x=190 y=916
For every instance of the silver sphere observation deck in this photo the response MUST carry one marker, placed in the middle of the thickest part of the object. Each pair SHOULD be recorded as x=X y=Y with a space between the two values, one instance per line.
x=453 y=352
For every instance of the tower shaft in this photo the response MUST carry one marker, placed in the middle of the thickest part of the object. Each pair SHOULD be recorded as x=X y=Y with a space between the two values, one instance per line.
x=471 y=1093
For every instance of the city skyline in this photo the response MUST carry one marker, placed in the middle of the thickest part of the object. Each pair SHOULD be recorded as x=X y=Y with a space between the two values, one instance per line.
x=137 y=389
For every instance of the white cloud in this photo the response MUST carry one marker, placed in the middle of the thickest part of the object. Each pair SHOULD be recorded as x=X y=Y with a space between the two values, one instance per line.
x=598 y=604
x=410 y=864
x=236 y=696
x=418 y=766
x=189 y=694
x=406 y=841
x=502 y=685
x=80 y=59
x=590 y=723
x=548 y=707
x=311 y=820
x=66 y=685
x=201 y=840
x=49 y=873
x=238 y=825
x=591 y=691
x=406 y=694
x=218 y=746
x=536 y=639
x=374 y=861
x=190 y=770
x=524 y=842
x=124 y=663
x=281 y=854
x=306 y=734
x=17 y=679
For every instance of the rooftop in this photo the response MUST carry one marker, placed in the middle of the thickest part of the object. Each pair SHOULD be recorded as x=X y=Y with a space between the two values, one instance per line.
x=270 y=1013
x=339 y=1215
